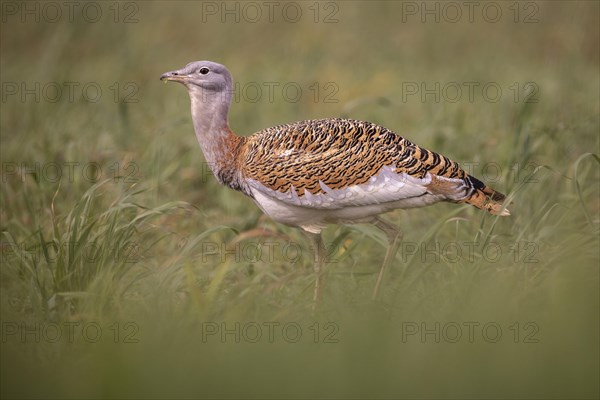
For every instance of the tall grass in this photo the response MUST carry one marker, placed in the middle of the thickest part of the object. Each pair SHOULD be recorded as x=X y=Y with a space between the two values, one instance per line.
x=176 y=273
x=87 y=246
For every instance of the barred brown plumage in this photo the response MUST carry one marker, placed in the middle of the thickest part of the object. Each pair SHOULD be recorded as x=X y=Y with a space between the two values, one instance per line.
x=316 y=172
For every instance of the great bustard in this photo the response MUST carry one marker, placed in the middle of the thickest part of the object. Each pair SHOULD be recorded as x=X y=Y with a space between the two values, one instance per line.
x=328 y=171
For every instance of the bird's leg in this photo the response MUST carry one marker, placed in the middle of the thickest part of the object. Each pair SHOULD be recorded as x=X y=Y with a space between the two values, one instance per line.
x=394 y=236
x=319 y=253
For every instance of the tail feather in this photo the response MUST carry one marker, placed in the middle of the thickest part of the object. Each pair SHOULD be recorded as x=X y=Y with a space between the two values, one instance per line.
x=469 y=190
x=489 y=200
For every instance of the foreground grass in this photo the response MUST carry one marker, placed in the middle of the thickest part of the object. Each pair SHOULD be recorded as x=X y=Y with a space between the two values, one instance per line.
x=150 y=280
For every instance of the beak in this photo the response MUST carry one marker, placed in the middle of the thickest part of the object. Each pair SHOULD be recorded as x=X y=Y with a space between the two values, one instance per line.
x=173 y=76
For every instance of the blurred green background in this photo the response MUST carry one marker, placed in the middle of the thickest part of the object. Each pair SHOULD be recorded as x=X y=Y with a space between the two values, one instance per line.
x=128 y=272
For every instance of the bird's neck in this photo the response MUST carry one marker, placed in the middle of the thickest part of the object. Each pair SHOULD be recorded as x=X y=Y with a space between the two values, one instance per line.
x=220 y=146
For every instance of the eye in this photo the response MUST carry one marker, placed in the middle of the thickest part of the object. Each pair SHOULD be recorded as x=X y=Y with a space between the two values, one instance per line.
x=204 y=70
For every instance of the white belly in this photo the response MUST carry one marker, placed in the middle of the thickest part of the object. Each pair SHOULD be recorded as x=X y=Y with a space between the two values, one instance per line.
x=315 y=219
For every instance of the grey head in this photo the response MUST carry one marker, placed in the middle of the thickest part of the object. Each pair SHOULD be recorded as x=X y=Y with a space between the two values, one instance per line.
x=204 y=76
x=210 y=88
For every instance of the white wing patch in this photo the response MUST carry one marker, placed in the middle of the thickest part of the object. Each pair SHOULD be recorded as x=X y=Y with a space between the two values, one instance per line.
x=286 y=153
x=385 y=187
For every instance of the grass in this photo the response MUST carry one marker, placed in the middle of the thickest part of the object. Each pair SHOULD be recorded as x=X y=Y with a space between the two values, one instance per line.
x=127 y=271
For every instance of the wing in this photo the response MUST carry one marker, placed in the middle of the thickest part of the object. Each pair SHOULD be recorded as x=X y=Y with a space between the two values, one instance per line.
x=335 y=163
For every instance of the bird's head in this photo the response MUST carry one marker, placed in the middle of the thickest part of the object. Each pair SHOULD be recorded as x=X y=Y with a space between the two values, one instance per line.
x=206 y=75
